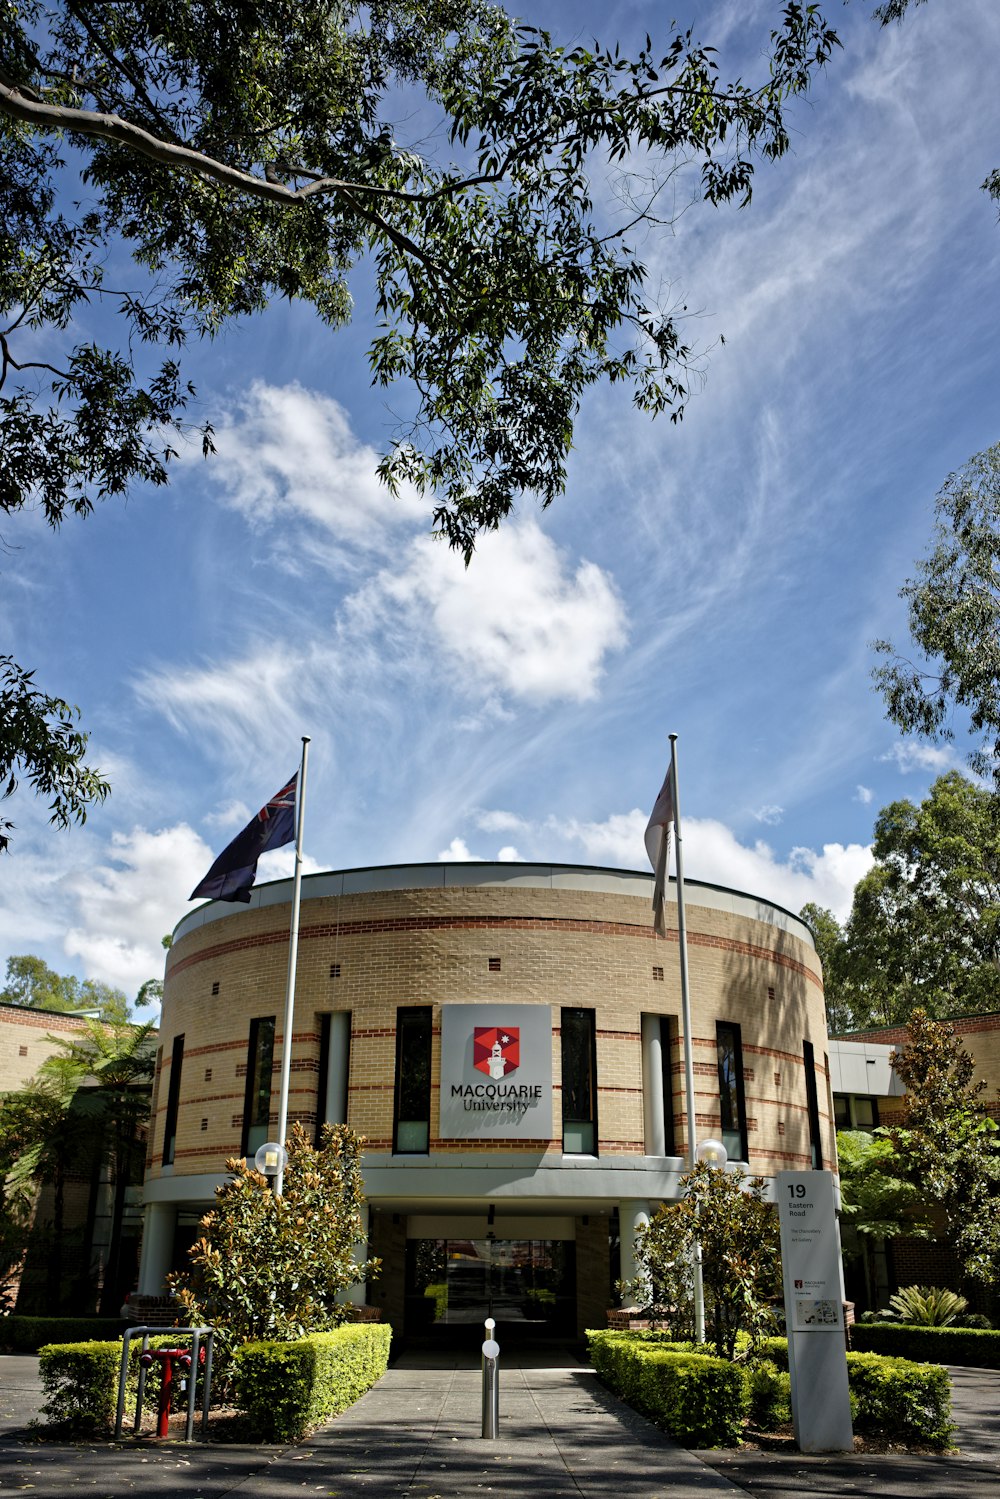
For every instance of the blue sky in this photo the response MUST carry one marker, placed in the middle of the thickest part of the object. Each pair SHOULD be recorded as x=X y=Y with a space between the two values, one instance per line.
x=722 y=579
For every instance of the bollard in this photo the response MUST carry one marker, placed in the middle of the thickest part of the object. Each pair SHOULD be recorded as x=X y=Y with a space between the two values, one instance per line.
x=491 y=1383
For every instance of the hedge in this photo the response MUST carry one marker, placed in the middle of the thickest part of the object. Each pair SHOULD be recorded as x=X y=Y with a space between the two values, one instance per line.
x=893 y=1398
x=896 y=1398
x=29 y=1334
x=285 y=1389
x=80 y=1383
x=702 y=1401
x=938 y=1345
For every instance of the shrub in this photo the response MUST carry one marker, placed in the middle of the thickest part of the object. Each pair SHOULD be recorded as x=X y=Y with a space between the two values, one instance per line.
x=702 y=1401
x=770 y=1395
x=896 y=1398
x=927 y=1306
x=28 y=1334
x=286 y=1389
x=965 y=1346
x=80 y=1382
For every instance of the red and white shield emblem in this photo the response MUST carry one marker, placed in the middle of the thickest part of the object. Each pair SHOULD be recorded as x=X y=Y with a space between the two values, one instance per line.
x=496 y=1049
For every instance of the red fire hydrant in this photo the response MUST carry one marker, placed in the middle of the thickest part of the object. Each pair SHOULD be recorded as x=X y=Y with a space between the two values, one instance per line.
x=171 y=1359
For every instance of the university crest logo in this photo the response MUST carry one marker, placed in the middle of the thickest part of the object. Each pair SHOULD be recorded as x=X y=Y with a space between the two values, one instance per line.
x=496 y=1050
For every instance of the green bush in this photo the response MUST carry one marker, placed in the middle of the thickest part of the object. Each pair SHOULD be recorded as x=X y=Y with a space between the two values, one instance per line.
x=438 y=1293
x=928 y=1306
x=896 y=1398
x=27 y=1334
x=80 y=1382
x=971 y=1346
x=286 y=1389
x=770 y=1395
x=701 y=1401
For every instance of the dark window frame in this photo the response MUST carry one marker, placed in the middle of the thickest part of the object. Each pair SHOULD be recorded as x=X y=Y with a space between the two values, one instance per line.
x=812 y=1106
x=408 y=1018
x=588 y=1084
x=254 y=1088
x=729 y=1125
x=173 y=1100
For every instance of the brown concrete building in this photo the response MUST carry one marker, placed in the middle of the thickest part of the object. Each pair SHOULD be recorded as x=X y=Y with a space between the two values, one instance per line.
x=507 y=1037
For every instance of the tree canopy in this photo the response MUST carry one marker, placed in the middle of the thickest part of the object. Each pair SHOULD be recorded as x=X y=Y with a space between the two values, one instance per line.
x=33 y=985
x=166 y=168
x=947 y=1141
x=924 y=926
x=953 y=613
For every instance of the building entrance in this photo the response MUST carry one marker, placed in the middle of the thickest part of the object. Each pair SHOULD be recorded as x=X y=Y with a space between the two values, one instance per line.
x=527 y=1285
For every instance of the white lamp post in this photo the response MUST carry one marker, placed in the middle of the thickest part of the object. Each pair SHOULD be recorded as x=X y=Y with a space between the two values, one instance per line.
x=710 y=1153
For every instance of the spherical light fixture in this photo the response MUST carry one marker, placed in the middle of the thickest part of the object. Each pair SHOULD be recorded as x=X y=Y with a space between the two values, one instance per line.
x=271 y=1159
x=712 y=1153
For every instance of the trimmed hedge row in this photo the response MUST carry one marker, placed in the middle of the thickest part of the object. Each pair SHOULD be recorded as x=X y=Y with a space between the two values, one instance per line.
x=971 y=1346
x=80 y=1381
x=702 y=1401
x=29 y=1334
x=288 y=1388
x=689 y=1395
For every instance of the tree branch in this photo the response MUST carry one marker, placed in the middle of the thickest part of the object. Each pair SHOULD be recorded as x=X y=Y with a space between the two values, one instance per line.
x=19 y=104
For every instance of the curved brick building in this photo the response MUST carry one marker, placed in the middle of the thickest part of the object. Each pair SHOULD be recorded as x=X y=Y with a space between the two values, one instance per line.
x=507 y=1038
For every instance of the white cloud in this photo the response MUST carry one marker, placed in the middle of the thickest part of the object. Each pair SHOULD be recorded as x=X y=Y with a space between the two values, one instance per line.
x=713 y=854
x=287 y=450
x=230 y=814
x=125 y=901
x=458 y=851
x=864 y=795
x=912 y=754
x=509 y=855
x=517 y=619
x=769 y=814
x=500 y=822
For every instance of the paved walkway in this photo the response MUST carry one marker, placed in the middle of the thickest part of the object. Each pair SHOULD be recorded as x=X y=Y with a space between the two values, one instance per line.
x=417 y=1435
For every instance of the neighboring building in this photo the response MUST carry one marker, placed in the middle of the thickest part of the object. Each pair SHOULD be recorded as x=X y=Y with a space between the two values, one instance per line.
x=507 y=1038
x=866 y=1094
x=28 y=1037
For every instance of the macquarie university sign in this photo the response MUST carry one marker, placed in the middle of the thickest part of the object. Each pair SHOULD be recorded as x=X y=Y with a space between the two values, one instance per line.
x=496 y=1072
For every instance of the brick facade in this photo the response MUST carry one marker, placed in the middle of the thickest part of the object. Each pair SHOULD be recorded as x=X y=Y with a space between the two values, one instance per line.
x=514 y=934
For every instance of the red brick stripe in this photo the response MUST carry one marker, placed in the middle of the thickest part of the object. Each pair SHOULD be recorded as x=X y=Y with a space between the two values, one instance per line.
x=386 y=924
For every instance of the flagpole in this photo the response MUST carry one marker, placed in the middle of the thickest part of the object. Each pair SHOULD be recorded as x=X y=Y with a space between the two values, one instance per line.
x=692 y=1144
x=293 y=954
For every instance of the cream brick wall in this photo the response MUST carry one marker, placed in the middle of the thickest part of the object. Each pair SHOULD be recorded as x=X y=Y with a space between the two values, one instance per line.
x=562 y=947
x=26 y=1041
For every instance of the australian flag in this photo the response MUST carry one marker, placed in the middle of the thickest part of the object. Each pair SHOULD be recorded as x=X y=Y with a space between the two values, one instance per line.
x=232 y=875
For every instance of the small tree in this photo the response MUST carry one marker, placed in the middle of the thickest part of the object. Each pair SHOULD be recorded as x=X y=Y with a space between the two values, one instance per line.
x=878 y=1200
x=947 y=1141
x=726 y=1212
x=275 y=1267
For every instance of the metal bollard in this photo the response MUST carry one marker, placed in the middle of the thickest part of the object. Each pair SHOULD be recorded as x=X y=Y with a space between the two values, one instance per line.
x=491 y=1383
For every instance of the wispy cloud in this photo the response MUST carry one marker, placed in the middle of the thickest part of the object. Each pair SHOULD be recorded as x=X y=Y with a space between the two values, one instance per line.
x=913 y=754
x=864 y=795
x=771 y=815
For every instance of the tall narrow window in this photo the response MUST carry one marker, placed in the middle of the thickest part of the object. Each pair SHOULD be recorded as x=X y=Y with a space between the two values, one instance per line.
x=334 y=1066
x=657 y=1085
x=579 y=1082
x=412 y=1123
x=173 y=1099
x=812 y=1104
x=257 y=1106
x=732 y=1100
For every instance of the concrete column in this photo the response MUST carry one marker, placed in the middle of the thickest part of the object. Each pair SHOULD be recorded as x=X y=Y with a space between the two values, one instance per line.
x=357 y=1294
x=158 y=1227
x=632 y=1215
x=652 y=1085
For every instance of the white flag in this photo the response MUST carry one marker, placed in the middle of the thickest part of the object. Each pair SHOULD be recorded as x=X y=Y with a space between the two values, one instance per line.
x=657 y=840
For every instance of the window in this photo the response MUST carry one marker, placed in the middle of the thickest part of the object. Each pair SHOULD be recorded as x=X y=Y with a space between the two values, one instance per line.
x=334 y=1066
x=579 y=1082
x=173 y=1099
x=412 y=1123
x=812 y=1105
x=732 y=1101
x=852 y=1111
x=657 y=1085
x=257 y=1104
